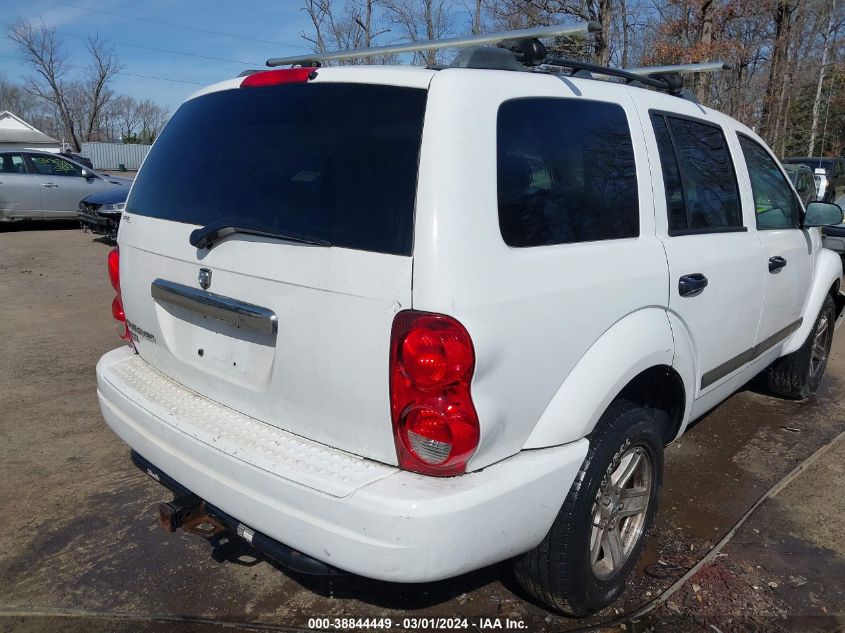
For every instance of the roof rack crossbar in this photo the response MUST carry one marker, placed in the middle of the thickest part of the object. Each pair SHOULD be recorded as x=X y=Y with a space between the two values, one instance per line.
x=453 y=42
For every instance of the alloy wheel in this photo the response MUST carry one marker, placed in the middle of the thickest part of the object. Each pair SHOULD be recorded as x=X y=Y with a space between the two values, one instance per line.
x=821 y=346
x=620 y=510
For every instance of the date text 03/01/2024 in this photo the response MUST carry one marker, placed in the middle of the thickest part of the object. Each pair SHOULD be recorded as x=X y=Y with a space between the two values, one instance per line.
x=416 y=623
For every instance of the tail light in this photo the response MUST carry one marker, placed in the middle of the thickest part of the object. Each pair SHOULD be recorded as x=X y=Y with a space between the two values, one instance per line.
x=280 y=76
x=117 y=303
x=435 y=425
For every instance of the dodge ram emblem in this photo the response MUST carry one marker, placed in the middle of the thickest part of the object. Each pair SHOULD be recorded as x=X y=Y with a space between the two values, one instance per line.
x=205 y=278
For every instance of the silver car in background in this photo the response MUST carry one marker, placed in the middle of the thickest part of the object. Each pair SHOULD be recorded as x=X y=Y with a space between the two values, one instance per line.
x=43 y=186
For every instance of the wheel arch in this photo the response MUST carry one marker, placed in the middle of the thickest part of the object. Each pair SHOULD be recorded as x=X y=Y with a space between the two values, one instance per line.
x=838 y=297
x=637 y=349
x=661 y=390
x=826 y=281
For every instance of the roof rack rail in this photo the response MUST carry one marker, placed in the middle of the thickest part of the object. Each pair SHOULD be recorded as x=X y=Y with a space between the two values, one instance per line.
x=682 y=69
x=629 y=77
x=666 y=78
x=315 y=59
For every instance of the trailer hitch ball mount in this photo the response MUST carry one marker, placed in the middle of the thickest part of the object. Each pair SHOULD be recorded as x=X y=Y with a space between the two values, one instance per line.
x=189 y=513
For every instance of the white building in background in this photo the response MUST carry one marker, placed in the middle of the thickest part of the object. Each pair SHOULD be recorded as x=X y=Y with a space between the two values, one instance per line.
x=15 y=132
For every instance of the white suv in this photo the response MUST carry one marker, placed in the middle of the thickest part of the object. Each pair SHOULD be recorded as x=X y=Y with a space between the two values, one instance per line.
x=409 y=322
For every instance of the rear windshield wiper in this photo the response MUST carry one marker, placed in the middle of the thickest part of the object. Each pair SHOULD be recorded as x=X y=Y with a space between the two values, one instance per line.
x=206 y=236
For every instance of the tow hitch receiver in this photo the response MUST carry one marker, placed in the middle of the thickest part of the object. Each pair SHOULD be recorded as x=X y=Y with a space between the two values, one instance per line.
x=192 y=514
x=189 y=513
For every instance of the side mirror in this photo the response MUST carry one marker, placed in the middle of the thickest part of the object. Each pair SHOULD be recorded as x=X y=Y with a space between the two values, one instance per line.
x=823 y=214
x=86 y=174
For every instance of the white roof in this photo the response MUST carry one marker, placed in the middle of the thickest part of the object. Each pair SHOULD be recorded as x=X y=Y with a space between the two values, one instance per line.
x=13 y=129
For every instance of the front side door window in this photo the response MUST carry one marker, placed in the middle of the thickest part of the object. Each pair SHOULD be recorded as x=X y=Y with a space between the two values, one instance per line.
x=775 y=204
x=48 y=165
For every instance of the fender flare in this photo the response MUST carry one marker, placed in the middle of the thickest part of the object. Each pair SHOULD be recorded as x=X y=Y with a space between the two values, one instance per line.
x=638 y=341
x=828 y=272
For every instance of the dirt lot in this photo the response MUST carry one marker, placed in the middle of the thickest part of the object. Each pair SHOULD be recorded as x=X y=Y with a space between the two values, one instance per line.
x=80 y=548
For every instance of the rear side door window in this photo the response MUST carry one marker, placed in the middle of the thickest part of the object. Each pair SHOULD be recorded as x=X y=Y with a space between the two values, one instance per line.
x=565 y=171
x=775 y=204
x=702 y=195
x=12 y=164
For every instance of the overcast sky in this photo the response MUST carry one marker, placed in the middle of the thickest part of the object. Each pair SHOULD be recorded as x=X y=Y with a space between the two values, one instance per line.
x=246 y=32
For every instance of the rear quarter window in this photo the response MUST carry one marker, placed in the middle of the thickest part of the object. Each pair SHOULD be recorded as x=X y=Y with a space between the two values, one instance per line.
x=333 y=162
x=565 y=172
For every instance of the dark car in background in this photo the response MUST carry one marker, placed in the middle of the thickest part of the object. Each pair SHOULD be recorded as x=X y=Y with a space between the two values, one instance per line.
x=802 y=178
x=100 y=212
x=79 y=158
x=829 y=174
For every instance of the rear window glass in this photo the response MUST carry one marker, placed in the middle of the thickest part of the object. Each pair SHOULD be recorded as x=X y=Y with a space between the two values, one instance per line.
x=566 y=172
x=332 y=162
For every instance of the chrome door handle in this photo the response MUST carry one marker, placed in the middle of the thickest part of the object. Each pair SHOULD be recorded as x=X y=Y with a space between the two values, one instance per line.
x=50 y=185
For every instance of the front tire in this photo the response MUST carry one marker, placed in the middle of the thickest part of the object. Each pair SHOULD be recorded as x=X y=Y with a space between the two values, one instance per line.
x=594 y=543
x=797 y=376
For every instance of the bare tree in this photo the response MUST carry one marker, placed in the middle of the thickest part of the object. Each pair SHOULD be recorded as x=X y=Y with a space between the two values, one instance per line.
x=124 y=118
x=353 y=24
x=828 y=40
x=319 y=11
x=422 y=20
x=96 y=83
x=80 y=102
x=42 y=49
x=19 y=101
x=626 y=32
x=476 y=18
x=153 y=118
x=783 y=22
x=527 y=13
x=701 y=83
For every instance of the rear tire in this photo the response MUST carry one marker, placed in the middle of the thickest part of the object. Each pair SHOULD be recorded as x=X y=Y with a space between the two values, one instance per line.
x=797 y=376
x=594 y=543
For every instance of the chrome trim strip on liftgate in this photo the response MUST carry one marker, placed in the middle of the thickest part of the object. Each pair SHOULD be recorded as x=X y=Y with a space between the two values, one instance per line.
x=214 y=306
x=747 y=356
